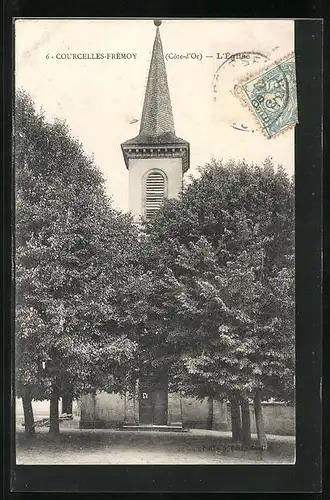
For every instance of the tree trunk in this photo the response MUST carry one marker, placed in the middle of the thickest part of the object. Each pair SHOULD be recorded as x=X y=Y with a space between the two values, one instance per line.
x=246 y=422
x=54 y=423
x=209 y=423
x=236 y=425
x=28 y=412
x=262 y=441
x=67 y=404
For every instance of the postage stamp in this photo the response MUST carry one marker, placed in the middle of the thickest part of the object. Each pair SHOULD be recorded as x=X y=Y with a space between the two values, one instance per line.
x=272 y=96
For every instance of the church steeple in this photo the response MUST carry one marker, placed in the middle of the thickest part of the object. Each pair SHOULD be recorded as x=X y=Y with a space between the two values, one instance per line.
x=157 y=116
x=157 y=124
x=156 y=158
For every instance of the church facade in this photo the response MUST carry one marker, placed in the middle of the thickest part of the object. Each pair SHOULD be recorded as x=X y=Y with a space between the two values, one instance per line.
x=156 y=160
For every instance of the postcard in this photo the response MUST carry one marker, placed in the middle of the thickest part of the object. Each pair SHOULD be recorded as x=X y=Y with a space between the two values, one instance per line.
x=155 y=257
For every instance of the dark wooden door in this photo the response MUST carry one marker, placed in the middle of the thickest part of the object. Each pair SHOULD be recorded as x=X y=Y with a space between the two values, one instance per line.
x=153 y=406
x=159 y=397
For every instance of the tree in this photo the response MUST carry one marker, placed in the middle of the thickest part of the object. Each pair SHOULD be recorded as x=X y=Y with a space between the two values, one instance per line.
x=218 y=307
x=72 y=252
x=222 y=257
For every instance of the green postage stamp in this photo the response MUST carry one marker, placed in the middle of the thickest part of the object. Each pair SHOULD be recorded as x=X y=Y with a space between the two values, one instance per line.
x=272 y=96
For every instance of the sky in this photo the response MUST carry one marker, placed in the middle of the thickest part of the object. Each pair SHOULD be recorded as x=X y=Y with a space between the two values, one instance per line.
x=101 y=99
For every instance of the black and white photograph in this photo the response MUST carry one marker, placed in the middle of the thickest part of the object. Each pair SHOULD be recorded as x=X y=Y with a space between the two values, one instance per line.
x=154 y=235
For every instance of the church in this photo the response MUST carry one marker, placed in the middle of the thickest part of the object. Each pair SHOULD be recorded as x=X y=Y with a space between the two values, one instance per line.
x=156 y=160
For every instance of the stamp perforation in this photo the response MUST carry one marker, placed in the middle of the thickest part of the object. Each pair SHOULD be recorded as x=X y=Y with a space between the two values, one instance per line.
x=267 y=127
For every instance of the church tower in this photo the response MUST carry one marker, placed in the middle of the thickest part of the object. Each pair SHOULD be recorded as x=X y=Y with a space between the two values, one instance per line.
x=156 y=159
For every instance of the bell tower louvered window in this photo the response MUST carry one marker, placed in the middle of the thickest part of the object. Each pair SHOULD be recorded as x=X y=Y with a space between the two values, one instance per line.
x=155 y=188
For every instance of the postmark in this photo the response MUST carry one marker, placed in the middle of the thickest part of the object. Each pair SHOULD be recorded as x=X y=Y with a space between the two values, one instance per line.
x=271 y=94
x=244 y=59
x=230 y=69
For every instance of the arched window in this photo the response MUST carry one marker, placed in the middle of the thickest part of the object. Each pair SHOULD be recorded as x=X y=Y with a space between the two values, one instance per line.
x=155 y=192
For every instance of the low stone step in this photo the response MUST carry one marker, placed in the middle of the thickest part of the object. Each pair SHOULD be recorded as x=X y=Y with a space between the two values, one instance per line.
x=164 y=428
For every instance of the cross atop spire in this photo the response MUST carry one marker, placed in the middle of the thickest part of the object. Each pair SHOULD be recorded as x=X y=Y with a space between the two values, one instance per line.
x=157 y=116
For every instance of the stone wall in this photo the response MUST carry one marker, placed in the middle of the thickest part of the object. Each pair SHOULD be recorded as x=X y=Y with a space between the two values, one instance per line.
x=279 y=418
x=195 y=413
x=112 y=410
x=102 y=410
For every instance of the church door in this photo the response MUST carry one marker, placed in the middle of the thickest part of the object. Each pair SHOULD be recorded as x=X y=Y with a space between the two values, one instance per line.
x=153 y=404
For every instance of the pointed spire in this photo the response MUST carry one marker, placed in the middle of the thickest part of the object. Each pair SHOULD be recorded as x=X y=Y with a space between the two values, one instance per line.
x=157 y=116
x=157 y=124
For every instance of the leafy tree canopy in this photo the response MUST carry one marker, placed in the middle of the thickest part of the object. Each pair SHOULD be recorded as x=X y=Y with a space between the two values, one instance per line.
x=73 y=253
x=223 y=282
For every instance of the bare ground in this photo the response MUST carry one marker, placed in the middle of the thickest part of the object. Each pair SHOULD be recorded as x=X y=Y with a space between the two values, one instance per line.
x=116 y=447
